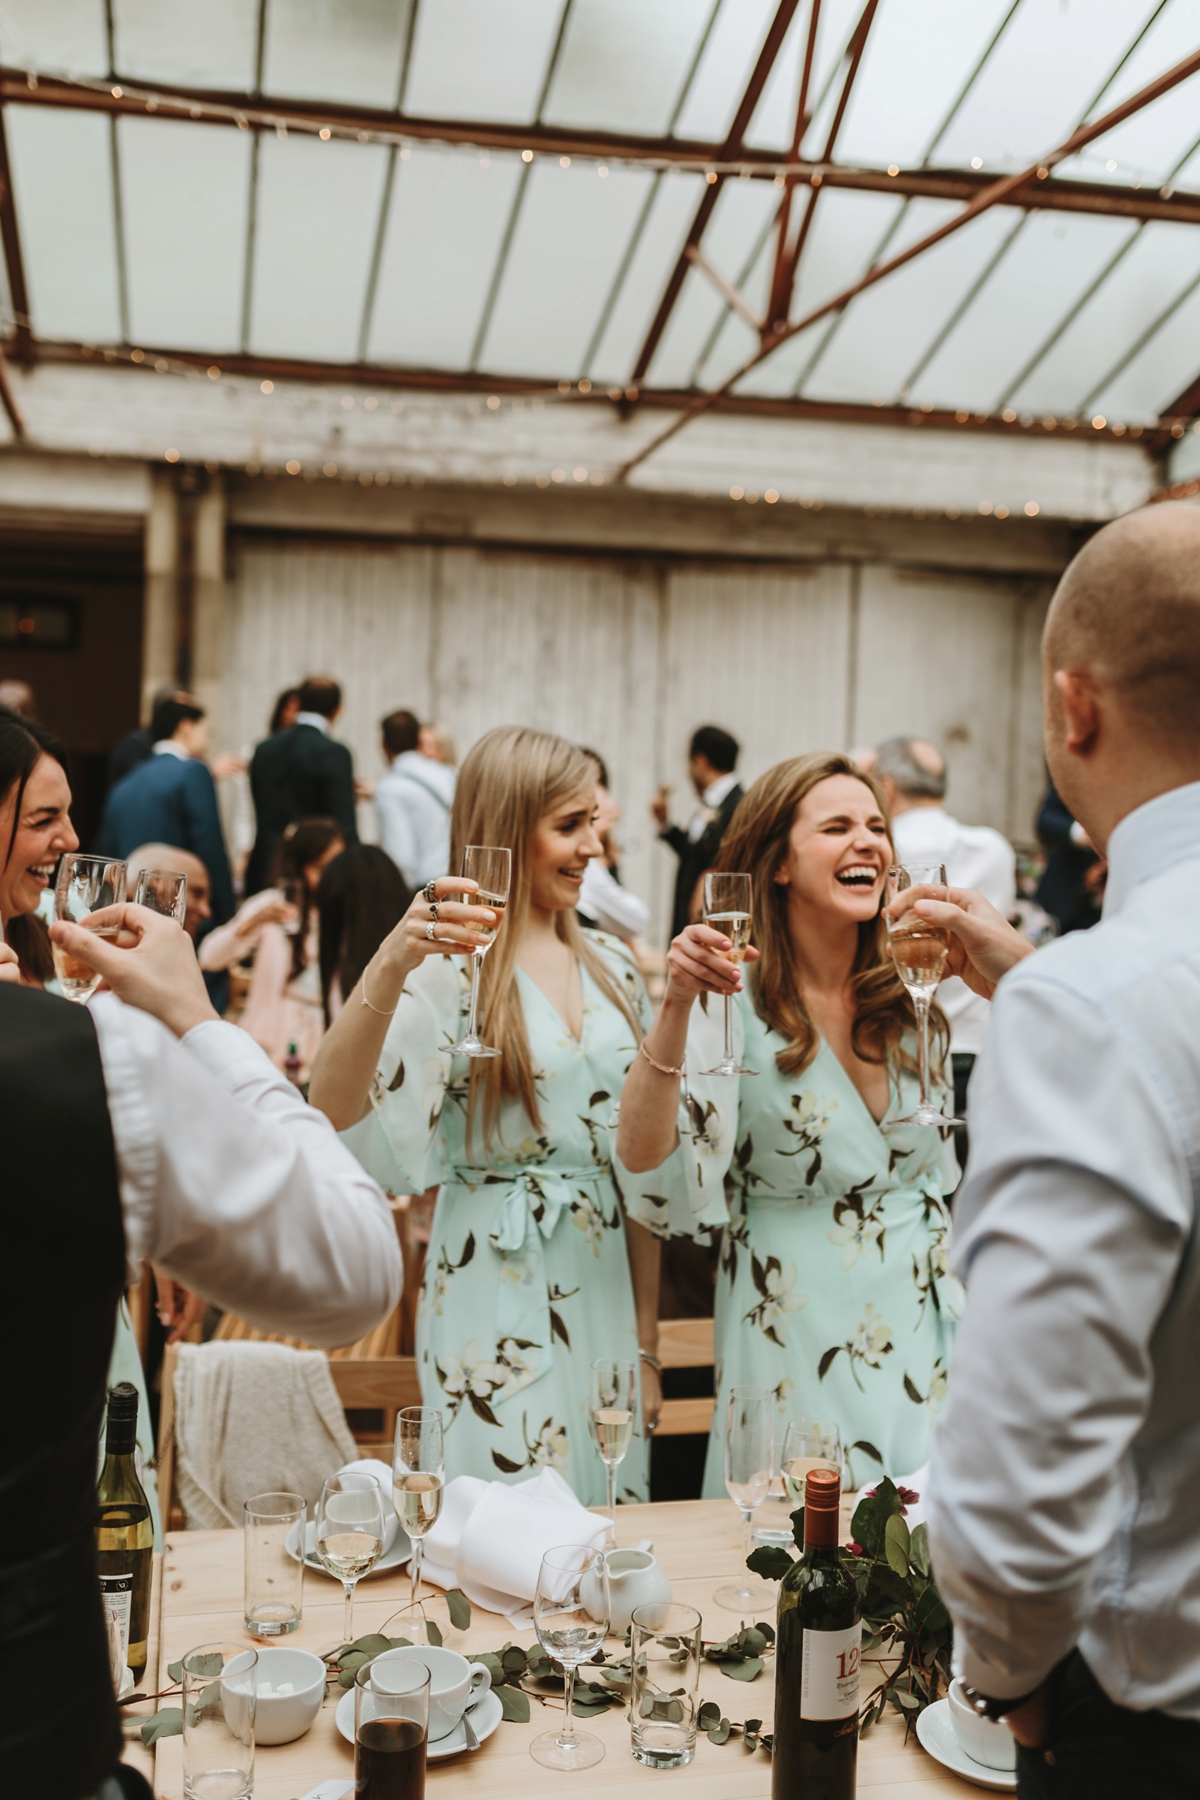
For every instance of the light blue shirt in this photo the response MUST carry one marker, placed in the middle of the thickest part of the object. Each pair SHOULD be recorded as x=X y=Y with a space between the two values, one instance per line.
x=1065 y=1492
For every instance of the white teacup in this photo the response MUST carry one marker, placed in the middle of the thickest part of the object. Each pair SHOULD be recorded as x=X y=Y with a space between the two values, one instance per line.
x=986 y=1741
x=454 y=1683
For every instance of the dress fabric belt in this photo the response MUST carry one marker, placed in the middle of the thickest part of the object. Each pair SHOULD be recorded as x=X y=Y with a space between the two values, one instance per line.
x=534 y=1200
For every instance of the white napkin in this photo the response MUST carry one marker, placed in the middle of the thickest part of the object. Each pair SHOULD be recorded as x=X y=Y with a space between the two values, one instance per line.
x=490 y=1539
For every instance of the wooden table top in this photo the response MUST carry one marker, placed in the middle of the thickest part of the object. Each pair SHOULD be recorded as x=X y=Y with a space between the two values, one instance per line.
x=698 y=1543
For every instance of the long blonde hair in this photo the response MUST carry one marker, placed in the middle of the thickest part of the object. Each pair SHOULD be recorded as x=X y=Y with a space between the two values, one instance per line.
x=510 y=778
x=757 y=843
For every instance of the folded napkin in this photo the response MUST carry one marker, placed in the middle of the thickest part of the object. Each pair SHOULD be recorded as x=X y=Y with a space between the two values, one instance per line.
x=490 y=1538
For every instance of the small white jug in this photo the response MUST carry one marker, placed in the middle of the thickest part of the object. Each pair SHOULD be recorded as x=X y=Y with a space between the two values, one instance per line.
x=635 y=1577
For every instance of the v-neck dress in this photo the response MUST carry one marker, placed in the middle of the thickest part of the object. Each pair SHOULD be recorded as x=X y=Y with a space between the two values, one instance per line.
x=833 y=1287
x=527 y=1275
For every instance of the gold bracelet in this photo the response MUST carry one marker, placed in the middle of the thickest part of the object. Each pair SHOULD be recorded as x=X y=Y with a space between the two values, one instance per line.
x=661 y=1067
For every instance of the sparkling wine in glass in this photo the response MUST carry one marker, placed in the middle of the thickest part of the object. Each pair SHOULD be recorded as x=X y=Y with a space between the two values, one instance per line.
x=349 y=1532
x=728 y=908
x=570 y=1615
x=809 y=1444
x=919 y=951
x=749 y=1456
x=612 y=1408
x=491 y=867
x=84 y=885
x=163 y=891
x=418 y=1479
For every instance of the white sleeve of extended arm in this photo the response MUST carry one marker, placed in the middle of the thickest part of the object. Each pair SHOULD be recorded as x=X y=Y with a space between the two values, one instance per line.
x=1068 y=1234
x=236 y=1187
x=397 y=833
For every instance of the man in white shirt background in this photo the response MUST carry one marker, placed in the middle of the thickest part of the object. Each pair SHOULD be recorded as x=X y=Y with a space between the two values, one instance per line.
x=1064 y=1518
x=413 y=802
x=913 y=774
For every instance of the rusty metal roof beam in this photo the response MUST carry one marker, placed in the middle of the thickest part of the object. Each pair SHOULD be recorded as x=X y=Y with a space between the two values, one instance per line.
x=779 y=283
x=22 y=349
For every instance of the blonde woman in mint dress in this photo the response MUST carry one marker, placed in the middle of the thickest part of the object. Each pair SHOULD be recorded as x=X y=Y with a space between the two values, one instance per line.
x=833 y=1289
x=532 y=1270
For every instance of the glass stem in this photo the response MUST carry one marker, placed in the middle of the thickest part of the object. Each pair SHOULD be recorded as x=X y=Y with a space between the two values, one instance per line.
x=747 y=1515
x=922 y=1006
x=348 y=1622
x=567 y=1736
x=476 y=968
x=728 y=1033
x=415 y=1569
x=610 y=1470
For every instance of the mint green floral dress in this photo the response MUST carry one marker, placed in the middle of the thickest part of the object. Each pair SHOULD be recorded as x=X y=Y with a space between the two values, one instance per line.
x=833 y=1288
x=527 y=1274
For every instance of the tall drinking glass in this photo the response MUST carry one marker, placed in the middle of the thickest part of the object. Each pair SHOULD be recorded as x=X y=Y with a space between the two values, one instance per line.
x=491 y=867
x=612 y=1408
x=84 y=885
x=749 y=1456
x=665 y=1652
x=163 y=891
x=349 y=1533
x=571 y=1611
x=219 y=1699
x=391 y=1730
x=418 y=1479
x=728 y=907
x=273 y=1596
x=919 y=951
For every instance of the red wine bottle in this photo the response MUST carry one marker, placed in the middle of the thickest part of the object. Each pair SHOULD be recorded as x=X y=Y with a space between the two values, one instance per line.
x=817 y=1652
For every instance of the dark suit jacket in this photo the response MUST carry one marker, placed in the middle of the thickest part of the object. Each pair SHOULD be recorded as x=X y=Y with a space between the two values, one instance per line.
x=695 y=858
x=1063 y=888
x=297 y=774
x=171 y=800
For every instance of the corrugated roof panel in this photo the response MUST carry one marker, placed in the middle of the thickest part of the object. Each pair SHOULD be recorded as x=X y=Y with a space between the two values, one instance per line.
x=623 y=63
x=195 y=43
x=672 y=207
x=326 y=50
x=725 y=68
x=475 y=59
x=62 y=187
x=741 y=210
x=66 y=38
x=1167 y=364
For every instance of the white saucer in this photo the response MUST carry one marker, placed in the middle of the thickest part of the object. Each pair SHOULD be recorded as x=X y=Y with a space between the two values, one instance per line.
x=394 y=1557
x=485 y=1718
x=935 y=1733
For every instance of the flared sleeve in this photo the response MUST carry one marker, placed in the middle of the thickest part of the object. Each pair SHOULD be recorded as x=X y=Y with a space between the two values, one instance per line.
x=414 y=1073
x=685 y=1196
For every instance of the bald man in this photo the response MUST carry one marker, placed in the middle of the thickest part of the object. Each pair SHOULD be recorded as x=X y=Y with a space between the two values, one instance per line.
x=169 y=858
x=1065 y=1515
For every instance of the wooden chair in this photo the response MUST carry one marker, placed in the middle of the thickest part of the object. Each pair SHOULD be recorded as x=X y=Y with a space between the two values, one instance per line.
x=685 y=1344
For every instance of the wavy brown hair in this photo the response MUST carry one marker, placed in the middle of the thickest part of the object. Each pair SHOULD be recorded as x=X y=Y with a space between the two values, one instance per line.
x=510 y=779
x=757 y=844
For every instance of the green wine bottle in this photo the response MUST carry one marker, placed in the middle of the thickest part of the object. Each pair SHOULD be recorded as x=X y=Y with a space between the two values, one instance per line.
x=125 y=1529
x=817 y=1652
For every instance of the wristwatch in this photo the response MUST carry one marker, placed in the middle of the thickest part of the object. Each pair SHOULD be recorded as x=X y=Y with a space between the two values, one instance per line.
x=987 y=1708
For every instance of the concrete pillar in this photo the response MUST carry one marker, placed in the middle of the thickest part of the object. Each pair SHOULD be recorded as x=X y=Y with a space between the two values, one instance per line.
x=208 y=605
x=160 y=613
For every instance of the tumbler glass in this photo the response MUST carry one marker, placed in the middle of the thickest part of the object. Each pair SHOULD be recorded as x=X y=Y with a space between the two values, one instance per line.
x=163 y=891
x=274 y=1589
x=391 y=1730
x=665 y=1655
x=219 y=1693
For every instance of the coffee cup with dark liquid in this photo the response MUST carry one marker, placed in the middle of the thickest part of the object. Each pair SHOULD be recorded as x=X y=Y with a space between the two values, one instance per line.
x=391 y=1730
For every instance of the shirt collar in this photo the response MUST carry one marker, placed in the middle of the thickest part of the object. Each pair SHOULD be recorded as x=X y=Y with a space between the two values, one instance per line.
x=168 y=747
x=716 y=791
x=1149 y=841
x=317 y=720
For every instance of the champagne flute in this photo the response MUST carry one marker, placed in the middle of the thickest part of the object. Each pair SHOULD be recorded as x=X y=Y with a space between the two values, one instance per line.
x=349 y=1532
x=163 y=891
x=418 y=1479
x=491 y=867
x=83 y=885
x=749 y=1455
x=919 y=951
x=570 y=1615
x=728 y=905
x=612 y=1407
x=809 y=1444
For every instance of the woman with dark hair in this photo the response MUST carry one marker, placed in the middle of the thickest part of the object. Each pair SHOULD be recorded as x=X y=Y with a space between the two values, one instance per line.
x=834 y=1290
x=35 y=830
x=360 y=898
x=283 y=715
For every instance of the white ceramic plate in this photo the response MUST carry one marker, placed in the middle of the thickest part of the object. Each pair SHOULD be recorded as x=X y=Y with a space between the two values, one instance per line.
x=935 y=1733
x=484 y=1720
x=393 y=1558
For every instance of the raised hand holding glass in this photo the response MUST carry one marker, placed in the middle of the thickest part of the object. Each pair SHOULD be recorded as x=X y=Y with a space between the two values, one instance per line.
x=491 y=867
x=84 y=885
x=919 y=951
x=728 y=908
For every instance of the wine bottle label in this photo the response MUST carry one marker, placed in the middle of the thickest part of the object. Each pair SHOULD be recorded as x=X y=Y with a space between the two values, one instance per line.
x=829 y=1673
x=116 y=1591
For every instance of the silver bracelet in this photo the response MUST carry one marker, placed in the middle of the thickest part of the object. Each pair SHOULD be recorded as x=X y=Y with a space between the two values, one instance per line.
x=652 y=1360
x=375 y=1009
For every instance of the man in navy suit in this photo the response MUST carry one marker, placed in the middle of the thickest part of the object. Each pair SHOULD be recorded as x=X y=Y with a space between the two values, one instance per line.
x=171 y=798
x=302 y=773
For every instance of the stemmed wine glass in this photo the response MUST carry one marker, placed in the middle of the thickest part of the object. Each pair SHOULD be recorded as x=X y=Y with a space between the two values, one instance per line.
x=728 y=904
x=570 y=1615
x=612 y=1406
x=349 y=1532
x=749 y=1457
x=418 y=1478
x=491 y=867
x=919 y=951
x=809 y=1444
x=83 y=885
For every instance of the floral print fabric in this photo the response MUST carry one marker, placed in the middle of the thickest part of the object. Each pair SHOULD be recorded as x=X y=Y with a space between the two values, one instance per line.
x=527 y=1274
x=833 y=1289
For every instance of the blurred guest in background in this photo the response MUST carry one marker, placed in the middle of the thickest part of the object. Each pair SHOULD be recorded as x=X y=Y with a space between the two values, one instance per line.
x=413 y=801
x=171 y=798
x=603 y=902
x=301 y=773
x=283 y=714
x=712 y=759
x=1072 y=887
x=18 y=696
x=436 y=743
x=169 y=857
x=360 y=898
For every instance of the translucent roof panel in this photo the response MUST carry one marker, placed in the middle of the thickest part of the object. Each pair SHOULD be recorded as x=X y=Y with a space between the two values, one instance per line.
x=738 y=217
x=66 y=38
x=474 y=59
x=647 y=259
x=1166 y=364
x=623 y=64
x=724 y=69
x=62 y=188
x=1148 y=147
x=197 y=43
x=448 y=214
x=573 y=227
x=318 y=212
x=185 y=199
x=326 y=50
